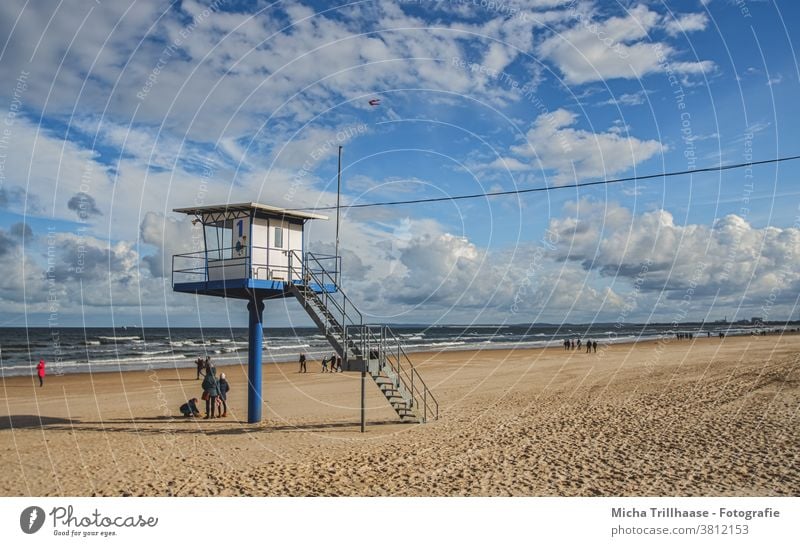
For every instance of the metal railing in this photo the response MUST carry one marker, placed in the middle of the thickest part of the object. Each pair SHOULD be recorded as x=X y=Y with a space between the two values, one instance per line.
x=366 y=342
x=206 y=265
x=338 y=311
x=381 y=343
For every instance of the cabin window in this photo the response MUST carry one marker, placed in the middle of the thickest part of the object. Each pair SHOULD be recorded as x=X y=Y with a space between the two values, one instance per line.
x=278 y=237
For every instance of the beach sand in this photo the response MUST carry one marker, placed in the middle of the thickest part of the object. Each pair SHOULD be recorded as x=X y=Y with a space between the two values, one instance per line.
x=702 y=417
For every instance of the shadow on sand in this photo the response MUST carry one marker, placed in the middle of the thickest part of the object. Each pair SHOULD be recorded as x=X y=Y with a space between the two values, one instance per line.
x=34 y=421
x=176 y=425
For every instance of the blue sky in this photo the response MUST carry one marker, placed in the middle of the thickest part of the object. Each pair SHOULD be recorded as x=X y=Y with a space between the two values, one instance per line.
x=138 y=108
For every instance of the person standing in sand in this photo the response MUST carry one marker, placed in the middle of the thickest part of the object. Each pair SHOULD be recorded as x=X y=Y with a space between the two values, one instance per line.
x=40 y=372
x=302 y=363
x=594 y=346
x=210 y=392
x=324 y=364
x=223 y=388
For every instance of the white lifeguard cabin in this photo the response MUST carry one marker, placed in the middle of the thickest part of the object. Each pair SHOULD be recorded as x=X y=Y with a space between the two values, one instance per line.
x=247 y=248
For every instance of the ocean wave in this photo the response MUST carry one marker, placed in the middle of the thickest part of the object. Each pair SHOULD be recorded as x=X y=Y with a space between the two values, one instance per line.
x=117 y=338
x=279 y=347
x=149 y=353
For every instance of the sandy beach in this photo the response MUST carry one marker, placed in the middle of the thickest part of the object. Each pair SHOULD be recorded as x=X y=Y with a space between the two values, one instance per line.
x=701 y=417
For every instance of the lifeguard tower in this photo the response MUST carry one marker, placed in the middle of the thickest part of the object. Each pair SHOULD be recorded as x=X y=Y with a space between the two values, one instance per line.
x=257 y=252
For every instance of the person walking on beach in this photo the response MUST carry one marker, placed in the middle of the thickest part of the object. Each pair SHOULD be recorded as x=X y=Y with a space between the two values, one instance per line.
x=324 y=364
x=572 y=344
x=201 y=365
x=302 y=363
x=589 y=346
x=210 y=391
x=223 y=387
x=579 y=344
x=40 y=372
x=594 y=346
x=566 y=345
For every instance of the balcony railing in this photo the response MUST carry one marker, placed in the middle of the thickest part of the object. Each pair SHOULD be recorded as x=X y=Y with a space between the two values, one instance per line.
x=270 y=263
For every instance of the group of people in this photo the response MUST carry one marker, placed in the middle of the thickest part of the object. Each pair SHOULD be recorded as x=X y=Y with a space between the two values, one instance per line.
x=685 y=335
x=215 y=392
x=334 y=361
x=576 y=344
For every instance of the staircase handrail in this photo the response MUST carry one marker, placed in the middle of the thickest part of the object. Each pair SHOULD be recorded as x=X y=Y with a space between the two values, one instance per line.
x=392 y=353
x=308 y=275
x=429 y=402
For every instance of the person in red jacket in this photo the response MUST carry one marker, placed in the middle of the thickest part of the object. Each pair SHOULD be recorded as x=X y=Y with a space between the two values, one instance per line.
x=40 y=372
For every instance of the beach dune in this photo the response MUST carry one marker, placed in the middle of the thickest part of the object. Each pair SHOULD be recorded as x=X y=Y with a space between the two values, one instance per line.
x=701 y=417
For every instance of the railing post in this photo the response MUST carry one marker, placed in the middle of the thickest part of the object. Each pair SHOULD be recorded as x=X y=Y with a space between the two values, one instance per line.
x=425 y=403
x=412 y=387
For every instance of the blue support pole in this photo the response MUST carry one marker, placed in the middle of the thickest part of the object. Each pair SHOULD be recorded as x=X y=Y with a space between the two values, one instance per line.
x=254 y=343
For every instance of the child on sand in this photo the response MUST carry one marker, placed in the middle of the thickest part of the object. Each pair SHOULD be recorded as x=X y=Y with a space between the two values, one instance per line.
x=189 y=409
x=40 y=372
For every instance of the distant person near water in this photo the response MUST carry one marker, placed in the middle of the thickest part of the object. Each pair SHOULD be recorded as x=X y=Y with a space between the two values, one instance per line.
x=302 y=363
x=210 y=391
x=566 y=345
x=41 y=372
x=324 y=364
x=594 y=346
x=189 y=409
x=589 y=346
x=222 y=402
x=201 y=365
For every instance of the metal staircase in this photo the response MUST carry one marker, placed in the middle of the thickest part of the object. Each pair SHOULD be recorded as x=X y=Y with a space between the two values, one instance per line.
x=362 y=347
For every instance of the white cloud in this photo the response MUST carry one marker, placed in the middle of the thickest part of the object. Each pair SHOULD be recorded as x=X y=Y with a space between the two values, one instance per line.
x=617 y=47
x=627 y=99
x=731 y=258
x=552 y=143
x=689 y=22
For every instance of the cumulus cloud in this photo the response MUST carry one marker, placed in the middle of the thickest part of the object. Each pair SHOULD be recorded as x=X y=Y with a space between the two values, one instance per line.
x=83 y=205
x=169 y=236
x=553 y=143
x=617 y=47
x=21 y=230
x=690 y=22
x=730 y=258
x=88 y=259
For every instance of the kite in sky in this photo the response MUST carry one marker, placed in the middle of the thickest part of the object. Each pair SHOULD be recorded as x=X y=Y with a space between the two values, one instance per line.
x=374 y=102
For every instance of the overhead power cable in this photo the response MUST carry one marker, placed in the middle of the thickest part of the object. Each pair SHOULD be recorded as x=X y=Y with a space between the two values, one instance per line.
x=718 y=168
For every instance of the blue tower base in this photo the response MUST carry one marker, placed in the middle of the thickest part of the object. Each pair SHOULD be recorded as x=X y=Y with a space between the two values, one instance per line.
x=254 y=348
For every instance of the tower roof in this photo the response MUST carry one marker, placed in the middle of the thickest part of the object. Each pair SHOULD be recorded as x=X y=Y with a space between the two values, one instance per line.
x=244 y=207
